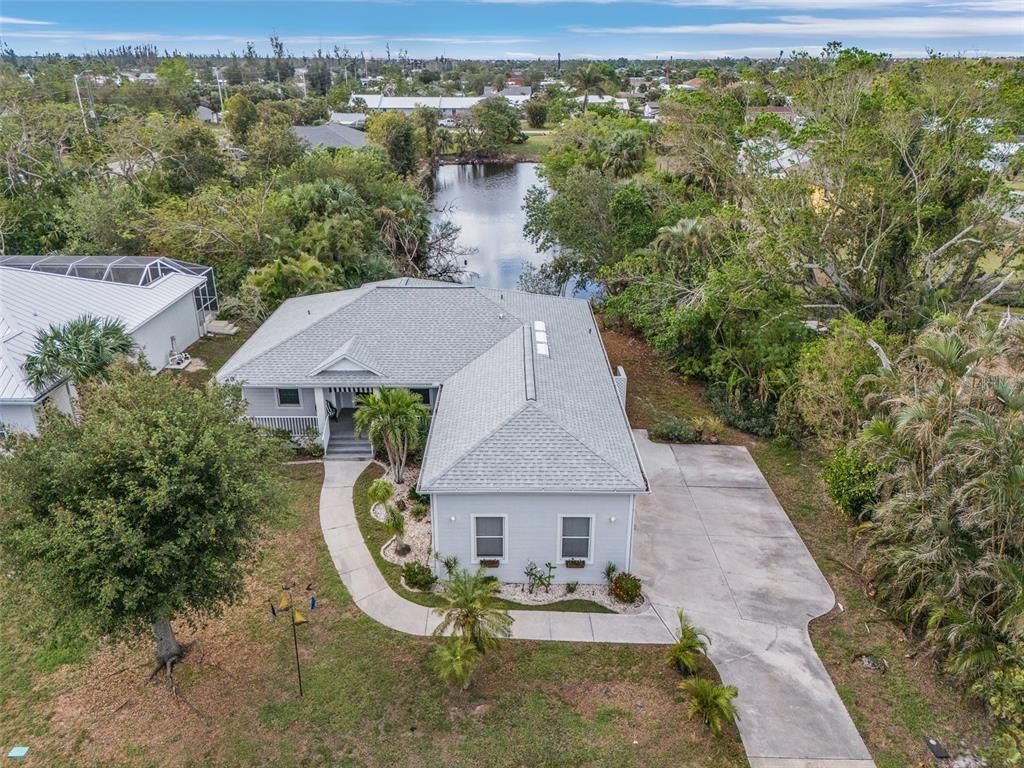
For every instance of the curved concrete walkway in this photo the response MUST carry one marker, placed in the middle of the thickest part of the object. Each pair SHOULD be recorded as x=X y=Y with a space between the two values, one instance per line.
x=374 y=597
x=711 y=539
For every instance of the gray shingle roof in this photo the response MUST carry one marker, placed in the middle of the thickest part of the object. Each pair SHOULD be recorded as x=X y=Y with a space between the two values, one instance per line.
x=330 y=135
x=507 y=419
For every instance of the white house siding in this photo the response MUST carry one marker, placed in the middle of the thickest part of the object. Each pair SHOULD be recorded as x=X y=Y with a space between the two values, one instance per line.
x=179 y=320
x=532 y=530
x=17 y=417
x=263 y=402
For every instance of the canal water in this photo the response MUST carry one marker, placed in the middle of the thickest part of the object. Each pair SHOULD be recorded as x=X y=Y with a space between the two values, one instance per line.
x=486 y=201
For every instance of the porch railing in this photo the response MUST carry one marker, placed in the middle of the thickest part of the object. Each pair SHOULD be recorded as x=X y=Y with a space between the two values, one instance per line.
x=295 y=425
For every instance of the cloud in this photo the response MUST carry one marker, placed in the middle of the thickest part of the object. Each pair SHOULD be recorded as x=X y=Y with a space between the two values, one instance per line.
x=13 y=21
x=820 y=27
x=112 y=36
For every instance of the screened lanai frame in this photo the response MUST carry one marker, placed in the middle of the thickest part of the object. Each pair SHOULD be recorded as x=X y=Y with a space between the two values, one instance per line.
x=127 y=270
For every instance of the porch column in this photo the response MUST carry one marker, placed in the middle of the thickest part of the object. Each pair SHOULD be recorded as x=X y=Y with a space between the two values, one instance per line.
x=321 y=409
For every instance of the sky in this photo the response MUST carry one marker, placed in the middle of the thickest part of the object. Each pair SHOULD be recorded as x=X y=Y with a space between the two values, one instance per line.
x=521 y=29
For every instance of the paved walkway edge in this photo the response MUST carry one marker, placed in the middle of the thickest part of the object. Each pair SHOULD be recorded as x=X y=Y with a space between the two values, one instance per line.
x=372 y=594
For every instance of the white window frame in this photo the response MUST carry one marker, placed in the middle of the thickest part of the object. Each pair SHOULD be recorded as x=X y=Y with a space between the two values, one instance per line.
x=504 y=538
x=277 y=397
x=589 y=560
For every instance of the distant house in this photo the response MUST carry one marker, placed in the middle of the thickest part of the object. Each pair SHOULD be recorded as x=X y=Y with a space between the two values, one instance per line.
x=331 y=135
x=449 y=106
x=207 y=115
x=149 y=78
x=784 y=112
x=652 y=110
x=509 y=90
x=622 y=104
x=693 y=84
x=165 y=304
x=529 y=455
x=351 y=119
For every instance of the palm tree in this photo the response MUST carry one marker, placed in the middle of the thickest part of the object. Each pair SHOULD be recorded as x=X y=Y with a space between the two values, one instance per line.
x=587 y=79
x=79 y=350
x=455 y=661
x=625 y=153
x=394 y=418
x=469 y=610
x=711 y=702
x=686 y=652
x=394 y=524
x=380 y=492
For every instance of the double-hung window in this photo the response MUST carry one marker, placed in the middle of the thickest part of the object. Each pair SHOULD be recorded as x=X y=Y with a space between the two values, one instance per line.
x=288 y=398
x=575 y=538
x=489 y=538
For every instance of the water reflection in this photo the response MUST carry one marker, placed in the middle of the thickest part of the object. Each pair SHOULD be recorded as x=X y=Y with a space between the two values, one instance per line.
x=486 y=202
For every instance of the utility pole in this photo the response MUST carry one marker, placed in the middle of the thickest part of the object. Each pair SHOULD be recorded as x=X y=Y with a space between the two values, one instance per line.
x=81 y=107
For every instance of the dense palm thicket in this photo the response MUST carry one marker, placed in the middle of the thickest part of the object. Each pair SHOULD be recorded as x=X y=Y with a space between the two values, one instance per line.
x=844 y=273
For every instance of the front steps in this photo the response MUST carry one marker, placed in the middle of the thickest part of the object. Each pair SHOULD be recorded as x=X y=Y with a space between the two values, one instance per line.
x=349 y=449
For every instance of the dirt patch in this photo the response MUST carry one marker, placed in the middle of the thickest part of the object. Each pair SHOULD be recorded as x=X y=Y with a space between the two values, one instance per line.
x=110 y=707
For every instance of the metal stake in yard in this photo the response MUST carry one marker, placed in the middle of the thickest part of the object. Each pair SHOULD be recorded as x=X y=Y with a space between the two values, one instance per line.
x=284 y=603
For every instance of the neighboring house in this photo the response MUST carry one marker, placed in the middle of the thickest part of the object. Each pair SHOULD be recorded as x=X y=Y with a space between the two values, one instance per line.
x=652 y=110
x=783 y=112
x=529 y=455
x=594 y=98
x=449 y=106
x=693 y=84
x=149 y=78
x=207 y=115
x=509 y=90
x=164 y=304
x=329 y=135
x=350 y=119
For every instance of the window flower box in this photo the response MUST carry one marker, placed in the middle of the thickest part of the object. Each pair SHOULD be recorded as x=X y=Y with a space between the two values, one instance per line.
x=575 y=563
x=490 y=563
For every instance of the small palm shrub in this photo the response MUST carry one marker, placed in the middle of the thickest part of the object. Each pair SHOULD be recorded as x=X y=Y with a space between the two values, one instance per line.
x=626 y=588
x=419 y=511
x=394 y=523
x=691 y=645
x=469 y=610
x=380 y=492
x=418 y=576
x=675 y=430
x=455 y=660
x=710 y=702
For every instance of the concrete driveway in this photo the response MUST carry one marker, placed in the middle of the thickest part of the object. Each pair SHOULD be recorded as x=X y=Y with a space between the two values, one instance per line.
x=712 y=539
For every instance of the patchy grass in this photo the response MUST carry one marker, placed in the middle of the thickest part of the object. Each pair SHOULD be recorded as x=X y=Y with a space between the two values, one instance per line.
x=214 y=351
x=375 y=535
x=895 y=710
x=370 y=698
x=531 y=150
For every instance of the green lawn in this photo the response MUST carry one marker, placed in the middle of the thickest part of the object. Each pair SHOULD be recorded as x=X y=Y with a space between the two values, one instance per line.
x=531 y=150
x=376 y=536
x=370 y=697
x=895 y=710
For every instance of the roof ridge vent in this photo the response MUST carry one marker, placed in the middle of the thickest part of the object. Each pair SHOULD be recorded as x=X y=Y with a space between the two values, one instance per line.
x=529 y=371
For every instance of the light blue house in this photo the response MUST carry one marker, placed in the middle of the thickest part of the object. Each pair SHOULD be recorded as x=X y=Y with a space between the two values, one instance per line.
x=529 y=456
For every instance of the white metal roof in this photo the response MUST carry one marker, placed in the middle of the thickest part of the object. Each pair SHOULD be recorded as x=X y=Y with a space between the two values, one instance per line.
x=31 y=301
